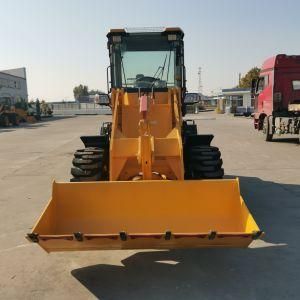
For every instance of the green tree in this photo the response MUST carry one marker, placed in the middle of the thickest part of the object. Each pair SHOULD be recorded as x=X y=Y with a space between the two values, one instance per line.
x=94 y=92
x=38 y=109
x=46 y=109
x=80 y=90
x=246 y=80
x=22 y=104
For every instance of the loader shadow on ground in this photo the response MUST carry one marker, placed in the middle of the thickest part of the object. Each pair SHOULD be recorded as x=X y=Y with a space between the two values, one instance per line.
x=269 y=271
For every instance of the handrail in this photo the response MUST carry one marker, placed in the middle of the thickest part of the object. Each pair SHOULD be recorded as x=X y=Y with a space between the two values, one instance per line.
x=115 y=117
x=107 y=80
x=176 y=110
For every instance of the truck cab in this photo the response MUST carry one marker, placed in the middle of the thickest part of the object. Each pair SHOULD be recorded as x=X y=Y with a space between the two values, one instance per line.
x=193 y=103
x=276 y=95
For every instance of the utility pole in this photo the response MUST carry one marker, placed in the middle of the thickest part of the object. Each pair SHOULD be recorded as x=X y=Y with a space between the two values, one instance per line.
x=199 y=81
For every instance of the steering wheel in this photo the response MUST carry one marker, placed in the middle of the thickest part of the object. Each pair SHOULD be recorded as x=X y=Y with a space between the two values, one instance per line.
x=145 y=81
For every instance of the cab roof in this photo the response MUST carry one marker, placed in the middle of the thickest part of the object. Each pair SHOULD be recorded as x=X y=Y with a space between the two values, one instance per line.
x=281 y=60
x=145 y=30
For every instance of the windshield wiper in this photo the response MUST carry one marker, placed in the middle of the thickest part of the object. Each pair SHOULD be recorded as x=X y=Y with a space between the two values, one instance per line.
x=159 y=67
x=162 y=68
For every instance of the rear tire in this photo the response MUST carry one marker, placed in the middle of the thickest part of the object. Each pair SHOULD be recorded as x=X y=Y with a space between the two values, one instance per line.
x=89 y=164
x=203 y=162
x=266 y=130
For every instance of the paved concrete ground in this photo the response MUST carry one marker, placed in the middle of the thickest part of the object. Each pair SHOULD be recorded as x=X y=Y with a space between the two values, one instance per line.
x=30 y=157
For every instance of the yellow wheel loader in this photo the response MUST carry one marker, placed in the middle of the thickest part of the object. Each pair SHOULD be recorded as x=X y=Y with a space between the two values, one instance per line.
x=149 y=180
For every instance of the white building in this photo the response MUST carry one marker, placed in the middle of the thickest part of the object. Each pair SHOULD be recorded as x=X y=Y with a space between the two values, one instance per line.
x=13 y=85
x=237 y=100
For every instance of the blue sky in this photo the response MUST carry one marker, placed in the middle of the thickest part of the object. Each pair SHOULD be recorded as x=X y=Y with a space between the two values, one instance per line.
x=63 y=43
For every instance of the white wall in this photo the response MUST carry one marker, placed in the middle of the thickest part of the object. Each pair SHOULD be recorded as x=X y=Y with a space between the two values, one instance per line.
x=247 y=100
x=69 y=109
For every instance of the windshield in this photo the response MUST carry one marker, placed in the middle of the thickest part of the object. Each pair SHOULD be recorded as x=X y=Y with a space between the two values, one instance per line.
x=147 y=69
x=146 y=61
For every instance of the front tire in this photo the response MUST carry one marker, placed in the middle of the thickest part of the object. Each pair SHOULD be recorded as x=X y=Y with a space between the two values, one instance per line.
x=203 y=162
x=89 y=164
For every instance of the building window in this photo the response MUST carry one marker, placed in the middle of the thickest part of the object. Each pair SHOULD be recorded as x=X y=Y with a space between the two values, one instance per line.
x=3 y=82
x=11 y=84
x=237 y=100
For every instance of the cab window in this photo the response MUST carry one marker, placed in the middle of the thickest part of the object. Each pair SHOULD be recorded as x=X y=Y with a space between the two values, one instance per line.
x=263 y=82
x=260 y=84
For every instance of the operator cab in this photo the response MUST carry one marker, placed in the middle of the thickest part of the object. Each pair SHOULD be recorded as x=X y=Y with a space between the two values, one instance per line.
x=146 y=59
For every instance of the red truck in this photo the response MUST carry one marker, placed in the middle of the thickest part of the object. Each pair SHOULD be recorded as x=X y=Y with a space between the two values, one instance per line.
x=276 y=96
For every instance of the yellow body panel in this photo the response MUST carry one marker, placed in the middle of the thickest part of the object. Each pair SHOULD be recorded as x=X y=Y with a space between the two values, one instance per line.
x=208 y=213
x=149 y=144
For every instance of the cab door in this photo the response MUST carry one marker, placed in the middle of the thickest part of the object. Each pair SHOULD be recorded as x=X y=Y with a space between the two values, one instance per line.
x=265 y=94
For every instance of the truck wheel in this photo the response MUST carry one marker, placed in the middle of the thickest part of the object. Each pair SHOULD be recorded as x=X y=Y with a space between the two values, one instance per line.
x=266 y=129
x=204 y=162
x=89 y=164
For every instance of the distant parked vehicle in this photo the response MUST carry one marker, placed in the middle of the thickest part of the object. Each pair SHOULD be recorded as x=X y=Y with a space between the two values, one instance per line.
x=8 y=116
x=277 y=96
x=245 y=111
x=193 y=103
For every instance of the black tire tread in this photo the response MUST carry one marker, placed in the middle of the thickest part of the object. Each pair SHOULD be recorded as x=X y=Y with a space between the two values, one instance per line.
x=80 y=161
x=203 y=162
x=94 y=157
x=88 y=165
x=266 y=125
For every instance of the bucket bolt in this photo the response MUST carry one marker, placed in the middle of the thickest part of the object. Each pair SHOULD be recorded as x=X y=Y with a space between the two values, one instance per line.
x=34 y=237
x=78 y=236
x=123 y=235
x=212 y=235
x=168 y=235
x=256 y=234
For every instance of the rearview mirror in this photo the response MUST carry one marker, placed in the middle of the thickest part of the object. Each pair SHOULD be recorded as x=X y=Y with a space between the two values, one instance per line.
x=253 y=87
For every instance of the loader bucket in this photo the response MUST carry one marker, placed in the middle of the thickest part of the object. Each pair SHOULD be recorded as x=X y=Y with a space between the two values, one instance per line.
x=145 y=215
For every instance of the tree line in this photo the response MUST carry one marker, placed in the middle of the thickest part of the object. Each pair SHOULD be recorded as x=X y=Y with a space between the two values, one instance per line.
x=83 y=90
x=246 y=80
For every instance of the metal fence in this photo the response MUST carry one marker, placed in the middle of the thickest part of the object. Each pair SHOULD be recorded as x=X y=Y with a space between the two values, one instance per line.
x=69 y=109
